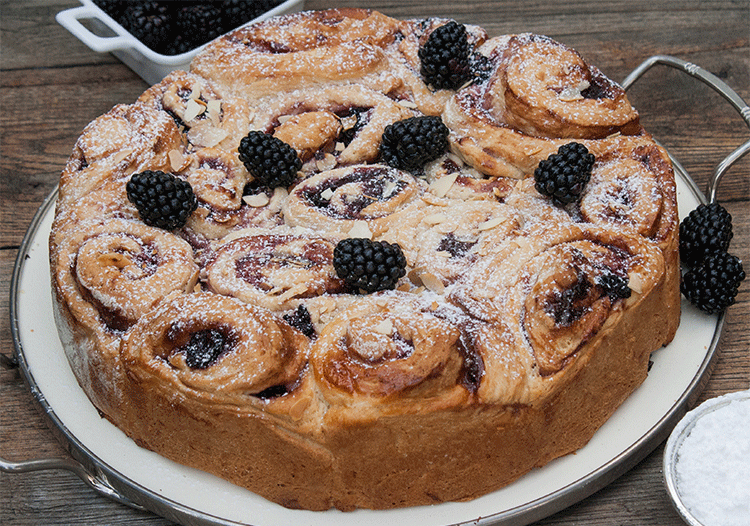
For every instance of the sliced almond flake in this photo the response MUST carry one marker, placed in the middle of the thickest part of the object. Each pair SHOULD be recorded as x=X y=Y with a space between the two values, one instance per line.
x=456 y=159
x=533 y=151
x=404 y=287
x=360 y=228
x=122 y=155
x=443 y=254
x=197 y=287
x=441 y=186
x=522 y=242
x=250 y=116
x=414 y=275
x=434 y=305
x=349 y=122
x=327 y=194
x=326 y=163
x=407 y=104
x=192 y=110
x=207 y=136
x=388 y=189
x=280 y=193
x=614 y=135
x=296 y=290
x=256 y=200
x=445 y=228
x=467 y=84
x=432 y=199
x=340 y=147
x=432 y=282
x=490 y=224
x=283 y=118
x=177 y=160
x=635 y=283
x=214 y=111
x=384 y=327
x=570 y=96
x=435 y=219
x=195 y=93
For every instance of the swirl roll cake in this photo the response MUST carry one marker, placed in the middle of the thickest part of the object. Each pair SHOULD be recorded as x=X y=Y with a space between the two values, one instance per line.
x=501 y=301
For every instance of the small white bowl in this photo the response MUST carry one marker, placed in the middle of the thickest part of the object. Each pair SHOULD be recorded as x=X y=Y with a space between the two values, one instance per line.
x=149 y=65
x=676 y=440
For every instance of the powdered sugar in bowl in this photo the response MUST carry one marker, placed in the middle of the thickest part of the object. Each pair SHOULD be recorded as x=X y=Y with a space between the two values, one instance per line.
x=707 y=462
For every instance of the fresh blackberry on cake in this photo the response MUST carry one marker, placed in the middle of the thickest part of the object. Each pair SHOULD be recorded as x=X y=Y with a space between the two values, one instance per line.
x=445 y=57
x=411 y=143
x=151 y=23
x=712 y=284
x=563 y=175
x=163 y=200
x=271 y=161
x=369 y=265
x=705 y=230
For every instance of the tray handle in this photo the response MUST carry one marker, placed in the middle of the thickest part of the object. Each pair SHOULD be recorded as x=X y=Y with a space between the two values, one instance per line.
x=718 y=86
x=98 y=482
x=70 y=20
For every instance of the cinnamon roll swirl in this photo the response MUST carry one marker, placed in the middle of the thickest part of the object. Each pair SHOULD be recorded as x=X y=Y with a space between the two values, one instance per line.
x=106 y=278
x=124 y=140
x=335 y=200
x=274 y=270
x=345 y=122
x=556 y=291
x=342 y=45
x=392 y=349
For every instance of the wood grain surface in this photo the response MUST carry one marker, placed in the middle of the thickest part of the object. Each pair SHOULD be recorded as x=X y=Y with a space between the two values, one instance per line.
x=53 y=85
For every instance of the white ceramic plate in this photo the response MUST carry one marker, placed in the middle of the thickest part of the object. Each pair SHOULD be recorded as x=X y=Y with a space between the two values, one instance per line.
x=189 y=496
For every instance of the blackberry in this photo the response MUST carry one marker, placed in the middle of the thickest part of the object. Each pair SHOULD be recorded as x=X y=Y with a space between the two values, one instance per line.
x=444 y=57
x=563 y=175
x=198 y=23
x=706 y=229
x=163 y=200
x=614 y=286
x=149 y=22
x=204 y=348
x=411 y=143
x=369 y=265
x=271 y=161
x=712 y=284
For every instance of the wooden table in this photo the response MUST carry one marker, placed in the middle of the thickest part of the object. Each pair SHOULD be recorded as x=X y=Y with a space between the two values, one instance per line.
x=53 y=85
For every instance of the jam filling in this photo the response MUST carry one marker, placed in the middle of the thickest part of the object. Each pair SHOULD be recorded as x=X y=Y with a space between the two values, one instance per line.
x=472 y=370
x=570 y=304
x=363 y=117
x=204 y=347
x=454 y=246
x=262 y=253
x=300 y=320
x=374 y=182
x=599 y=88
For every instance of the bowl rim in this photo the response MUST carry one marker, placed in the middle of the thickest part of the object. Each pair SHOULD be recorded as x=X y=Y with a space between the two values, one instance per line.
x=675 y=441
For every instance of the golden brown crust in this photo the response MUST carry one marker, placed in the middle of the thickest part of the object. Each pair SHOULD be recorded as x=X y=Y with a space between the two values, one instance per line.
x=231 y=345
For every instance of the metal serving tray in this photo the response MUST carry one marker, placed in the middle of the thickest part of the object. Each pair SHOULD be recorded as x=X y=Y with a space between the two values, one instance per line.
x=115 y=467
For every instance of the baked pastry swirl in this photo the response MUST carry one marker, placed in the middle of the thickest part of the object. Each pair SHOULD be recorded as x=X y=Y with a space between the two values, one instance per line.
x=235 y=344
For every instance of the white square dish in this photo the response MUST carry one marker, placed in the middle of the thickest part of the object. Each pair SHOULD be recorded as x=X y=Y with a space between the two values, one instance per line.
x=148 y=64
